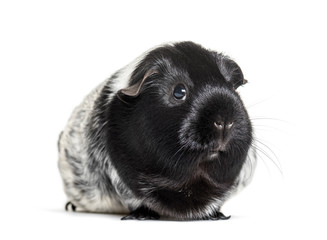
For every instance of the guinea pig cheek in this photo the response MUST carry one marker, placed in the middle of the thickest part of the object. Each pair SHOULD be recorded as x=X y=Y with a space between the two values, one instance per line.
x=195 y=132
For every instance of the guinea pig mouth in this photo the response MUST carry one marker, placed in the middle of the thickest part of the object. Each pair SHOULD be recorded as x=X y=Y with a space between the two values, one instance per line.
x=216 y=153
x=219 y=149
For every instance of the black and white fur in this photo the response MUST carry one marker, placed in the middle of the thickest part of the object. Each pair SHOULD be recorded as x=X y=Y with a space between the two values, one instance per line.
x=131 y=147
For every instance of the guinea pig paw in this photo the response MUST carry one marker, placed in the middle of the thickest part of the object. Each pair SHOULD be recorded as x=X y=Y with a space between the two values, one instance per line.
x=70 y=207
x=217 y=216
x=142 y=213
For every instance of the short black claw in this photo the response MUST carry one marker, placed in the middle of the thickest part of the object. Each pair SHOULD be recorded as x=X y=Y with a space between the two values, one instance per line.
x=142 y=213
x=221 y=216
x=73 y=207
x=217 y=216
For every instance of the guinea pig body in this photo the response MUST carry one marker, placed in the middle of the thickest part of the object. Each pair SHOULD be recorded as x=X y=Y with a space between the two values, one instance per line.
x=167 y=135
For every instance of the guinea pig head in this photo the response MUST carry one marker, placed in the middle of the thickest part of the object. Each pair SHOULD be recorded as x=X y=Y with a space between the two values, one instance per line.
x=183 y=116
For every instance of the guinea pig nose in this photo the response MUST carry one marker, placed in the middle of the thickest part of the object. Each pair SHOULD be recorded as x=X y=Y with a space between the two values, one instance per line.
x=221 y=126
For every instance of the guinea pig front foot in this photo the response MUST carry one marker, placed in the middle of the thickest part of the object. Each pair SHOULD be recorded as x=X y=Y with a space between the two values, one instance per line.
x=70 y=207
x=142 y=213
x=216 y=216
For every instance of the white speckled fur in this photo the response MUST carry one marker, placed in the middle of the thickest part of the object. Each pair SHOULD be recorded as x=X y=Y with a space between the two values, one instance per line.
x=74 y=140
x=95 y=201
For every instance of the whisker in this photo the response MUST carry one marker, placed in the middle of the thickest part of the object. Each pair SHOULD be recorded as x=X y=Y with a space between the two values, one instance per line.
x=259 y=102
x=262 y=158
x=267 y=130
x=268 y=119
x=269 y=149
x=261 y=151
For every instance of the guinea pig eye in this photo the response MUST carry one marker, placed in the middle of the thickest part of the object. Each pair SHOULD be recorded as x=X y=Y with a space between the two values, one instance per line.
x=179 y=92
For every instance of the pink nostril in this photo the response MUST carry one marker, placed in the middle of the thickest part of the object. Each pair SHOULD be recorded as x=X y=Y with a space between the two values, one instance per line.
x=219 y=124
x=229 y=125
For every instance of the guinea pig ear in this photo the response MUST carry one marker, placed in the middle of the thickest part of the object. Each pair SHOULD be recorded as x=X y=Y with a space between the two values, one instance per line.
x=231 y=71
x=134 y=90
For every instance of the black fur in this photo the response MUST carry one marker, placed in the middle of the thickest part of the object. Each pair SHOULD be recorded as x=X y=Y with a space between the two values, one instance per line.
x=164 y=149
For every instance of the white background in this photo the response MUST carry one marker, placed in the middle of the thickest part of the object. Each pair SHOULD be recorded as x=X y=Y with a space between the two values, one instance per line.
x=52 y=53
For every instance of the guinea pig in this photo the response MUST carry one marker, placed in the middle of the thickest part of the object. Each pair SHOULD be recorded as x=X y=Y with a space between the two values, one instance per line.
x=167 y=135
